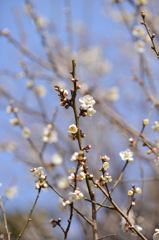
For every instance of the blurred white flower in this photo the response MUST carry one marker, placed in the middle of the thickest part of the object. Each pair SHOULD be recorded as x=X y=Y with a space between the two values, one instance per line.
x=105 y=165
x=57 y=159
x=11 y=192
x=30 y=83
x=138 y=190
x=90 y=112
x=140 y=46
x=156 y=234
x=74 y=156
x=9 y=109
x=112 y=94
x=76 y=195
x=26 y=132
x=14 y=121
x=138 y=31
x=63 y=204
x=37 y=172
x=0 y=184
x=141 y=1
x=40 y=91
x=49 y=135
x=156 y=126
x=63 y=183
x=41 y=21
x=126 y=155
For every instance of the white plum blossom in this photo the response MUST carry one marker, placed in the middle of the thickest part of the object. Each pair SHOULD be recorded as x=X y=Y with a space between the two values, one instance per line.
x=130 y=193
x=63 y=183
x=72 y=128
x=49 y=134
x=156 y=126
x=71 y=178
x=107 y=178
x=74 y=156
x=112 y=94
x=57 y=159
x=76 y=195
x=126 y=155
x=40 y=178
x=90 y=112
x=9 y=109
x=37 y=172
x=63 y=204
x=138 y=190
x=82 y=175
x=105 y=165
x=87 y=101
x=138 y=31
x=140 y=46
x=26 y=132
x=14 y=121
x=156 y=234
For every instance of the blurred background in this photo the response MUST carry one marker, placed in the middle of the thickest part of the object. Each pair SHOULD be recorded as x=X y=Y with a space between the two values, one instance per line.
x=113 y=53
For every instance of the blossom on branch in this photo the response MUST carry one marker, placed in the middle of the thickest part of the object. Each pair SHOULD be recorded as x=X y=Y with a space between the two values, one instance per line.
x=127 y=155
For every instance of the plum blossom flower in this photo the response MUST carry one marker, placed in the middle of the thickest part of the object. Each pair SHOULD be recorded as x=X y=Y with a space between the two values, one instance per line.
x=72 y=128
x=76 y=195
x=126 y=155
x=138 y=31
x=105 y=165
x=63 y=204
x=40 y=178
x=90 y=112
x=26 y=132
x=156 y=234
x=87 y=103
x=74 y=156
x=156 y=126
x=140 y=46
x=57 y=159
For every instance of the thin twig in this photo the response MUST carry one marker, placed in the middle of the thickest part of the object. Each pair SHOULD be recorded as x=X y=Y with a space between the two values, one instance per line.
x=30 y=216
x=5 y=219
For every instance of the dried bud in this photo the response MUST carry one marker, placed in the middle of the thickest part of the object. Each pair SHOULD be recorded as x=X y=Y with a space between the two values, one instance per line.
x=153 y=35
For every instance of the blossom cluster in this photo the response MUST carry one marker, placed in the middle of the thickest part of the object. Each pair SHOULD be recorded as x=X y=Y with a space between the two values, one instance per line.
x=86 y=107
x=38 y=173
x=134 y=190
x=49 y=134
x=79 y=177
x=76 y=195
x=63 y=204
